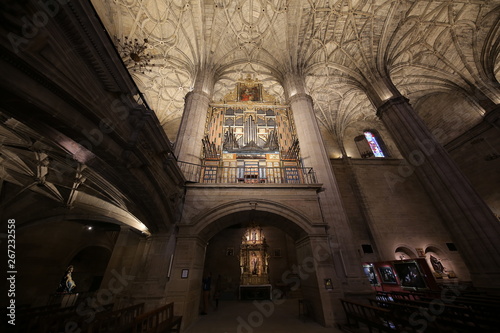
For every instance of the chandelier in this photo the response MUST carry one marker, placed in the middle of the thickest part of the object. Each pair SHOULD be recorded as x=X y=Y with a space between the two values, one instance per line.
x=134 y=54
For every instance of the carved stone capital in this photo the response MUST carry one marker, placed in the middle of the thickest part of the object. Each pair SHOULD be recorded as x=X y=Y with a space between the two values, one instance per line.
x=391 y=103
x=197 y=94
x=301 y=96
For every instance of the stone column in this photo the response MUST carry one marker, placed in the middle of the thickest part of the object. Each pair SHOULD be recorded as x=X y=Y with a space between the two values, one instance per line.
x=474 y=228
x=315 y=263
x=121 y=272
x=184 y=288
x=188 y=146
x=151 y=259
x=313 y=154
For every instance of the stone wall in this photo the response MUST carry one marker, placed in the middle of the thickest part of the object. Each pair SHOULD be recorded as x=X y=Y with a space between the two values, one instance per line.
x=389 y=215
x=44 y=251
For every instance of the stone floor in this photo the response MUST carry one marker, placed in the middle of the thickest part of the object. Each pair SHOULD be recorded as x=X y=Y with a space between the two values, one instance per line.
x=247 y=317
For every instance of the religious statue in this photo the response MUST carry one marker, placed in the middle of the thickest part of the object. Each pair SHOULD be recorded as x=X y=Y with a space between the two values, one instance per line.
x=67 y=285
x=437 y=265
x=255 y=263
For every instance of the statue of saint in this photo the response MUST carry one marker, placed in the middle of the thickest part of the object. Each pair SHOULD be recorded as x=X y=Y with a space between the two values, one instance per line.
x=67 y=285
x=437 y=265
x=255 y=263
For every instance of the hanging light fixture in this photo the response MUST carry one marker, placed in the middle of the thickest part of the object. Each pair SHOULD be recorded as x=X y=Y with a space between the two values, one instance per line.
x=134 y=54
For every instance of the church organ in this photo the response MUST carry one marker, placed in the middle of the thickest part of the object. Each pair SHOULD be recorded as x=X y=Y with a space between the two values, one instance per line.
x=250 y=140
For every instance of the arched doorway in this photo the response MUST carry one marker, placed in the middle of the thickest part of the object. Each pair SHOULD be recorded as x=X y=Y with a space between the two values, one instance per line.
x=309 y=268
x=226 y=254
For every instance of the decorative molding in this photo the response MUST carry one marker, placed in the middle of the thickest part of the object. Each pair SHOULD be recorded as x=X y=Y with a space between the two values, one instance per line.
x=301 y=96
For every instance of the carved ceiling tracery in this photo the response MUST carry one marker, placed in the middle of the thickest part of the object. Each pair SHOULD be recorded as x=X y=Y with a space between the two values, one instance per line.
x=341 y=47
x=31 y=166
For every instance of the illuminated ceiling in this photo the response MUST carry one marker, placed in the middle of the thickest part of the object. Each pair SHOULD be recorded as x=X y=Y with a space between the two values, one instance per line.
x=424 y=46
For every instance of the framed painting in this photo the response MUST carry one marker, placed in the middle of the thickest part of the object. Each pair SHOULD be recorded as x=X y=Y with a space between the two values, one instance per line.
x=249 y=92
x=410 y=275
x=387 y=275
x=370 y=274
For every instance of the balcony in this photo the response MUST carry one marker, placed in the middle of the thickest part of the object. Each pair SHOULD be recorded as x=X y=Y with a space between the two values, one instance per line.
x=207 y=174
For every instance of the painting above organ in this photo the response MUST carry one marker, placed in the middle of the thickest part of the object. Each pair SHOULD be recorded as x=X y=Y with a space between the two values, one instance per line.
x=250 y=138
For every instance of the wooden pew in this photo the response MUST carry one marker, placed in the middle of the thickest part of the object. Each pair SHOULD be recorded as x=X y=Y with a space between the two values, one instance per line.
x=59 y=320
x=118 y=321
x=464 y=316
x=38 y=320
x=420 y=315
x=159 y=320
x=29 y=317
x=374 y=318
x=483 y=311
x=31 y=312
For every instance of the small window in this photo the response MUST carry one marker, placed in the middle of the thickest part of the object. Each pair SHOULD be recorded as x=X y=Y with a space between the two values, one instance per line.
x=451 y=247
x=367 y=248
x=374 y=146
x=370 y=144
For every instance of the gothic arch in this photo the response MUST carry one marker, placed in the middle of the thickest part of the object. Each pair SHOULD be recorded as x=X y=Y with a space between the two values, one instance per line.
x=74 y=217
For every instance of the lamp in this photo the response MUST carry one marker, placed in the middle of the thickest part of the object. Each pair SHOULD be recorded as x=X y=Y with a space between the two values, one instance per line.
x=134 y=55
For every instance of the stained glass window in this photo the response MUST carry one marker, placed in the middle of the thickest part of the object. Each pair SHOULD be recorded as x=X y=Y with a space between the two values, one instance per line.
x=372 y=142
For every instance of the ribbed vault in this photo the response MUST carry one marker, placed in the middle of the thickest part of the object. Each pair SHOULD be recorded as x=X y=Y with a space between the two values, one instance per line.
x=342 y=47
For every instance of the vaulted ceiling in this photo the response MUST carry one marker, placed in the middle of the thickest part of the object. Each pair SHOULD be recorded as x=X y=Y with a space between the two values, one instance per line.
x=427 y=48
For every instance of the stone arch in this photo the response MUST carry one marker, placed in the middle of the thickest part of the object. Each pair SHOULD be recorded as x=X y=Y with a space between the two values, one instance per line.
x=207 y=224
x=311 y=244
x=74 y=217
x=404 y=250
x=90 y=264
x=87 y=217
x=441 y=257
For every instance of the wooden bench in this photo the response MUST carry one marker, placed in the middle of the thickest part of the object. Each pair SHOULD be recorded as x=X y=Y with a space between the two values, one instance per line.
x=462 y=316
x=31 y=312
x=159 y=320
x=118 y=321
x=371 y=316
x=420 y=315
x=58 y=321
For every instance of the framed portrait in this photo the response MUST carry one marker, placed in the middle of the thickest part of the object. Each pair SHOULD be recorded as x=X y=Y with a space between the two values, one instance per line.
x=249 y=92
x=184 y=273
x=387 y=275
x=370 y=274
x=410 y=275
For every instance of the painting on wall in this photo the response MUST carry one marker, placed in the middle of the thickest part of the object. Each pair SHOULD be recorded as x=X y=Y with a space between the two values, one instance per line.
x=370 y=274
x=249 y=92
x=387 y=275
x=409 y=274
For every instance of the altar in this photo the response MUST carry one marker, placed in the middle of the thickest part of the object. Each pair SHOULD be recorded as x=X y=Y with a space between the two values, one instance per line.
x=254 y=265
x=256 y=292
